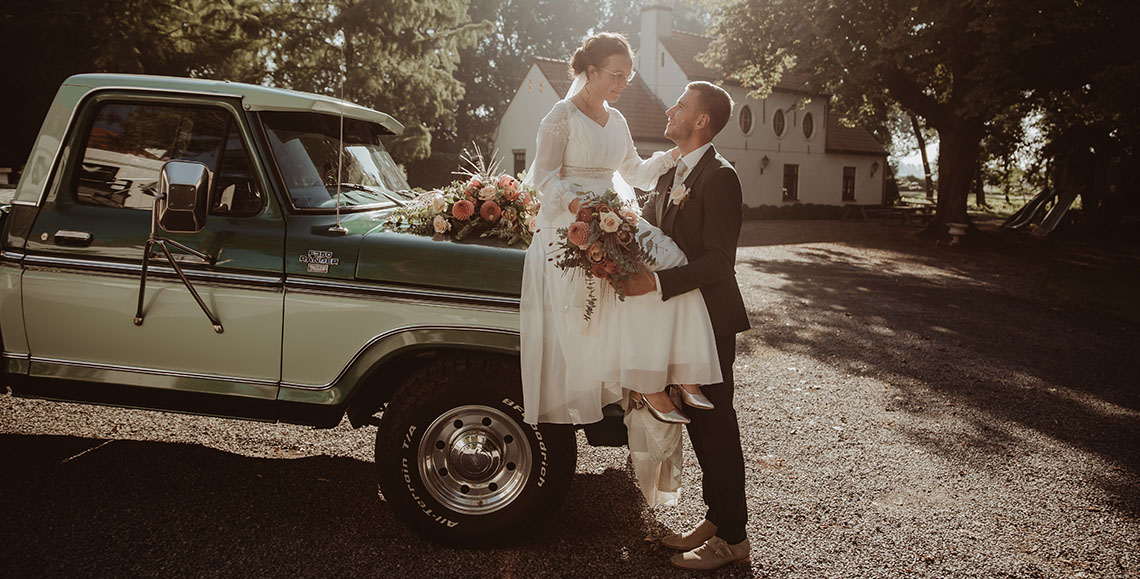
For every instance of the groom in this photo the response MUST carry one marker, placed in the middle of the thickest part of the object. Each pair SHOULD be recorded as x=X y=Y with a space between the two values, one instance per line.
x=698 y=204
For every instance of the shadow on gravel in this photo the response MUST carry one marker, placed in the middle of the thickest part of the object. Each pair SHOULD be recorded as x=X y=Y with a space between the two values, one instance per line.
x=946 y=342
x=116 y=508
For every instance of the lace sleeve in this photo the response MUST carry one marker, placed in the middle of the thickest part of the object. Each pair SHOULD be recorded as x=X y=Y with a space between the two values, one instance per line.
x=640 y=173
x=550 y=147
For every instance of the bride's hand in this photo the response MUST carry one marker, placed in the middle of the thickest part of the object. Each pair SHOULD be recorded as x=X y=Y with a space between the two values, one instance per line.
x=575 y=205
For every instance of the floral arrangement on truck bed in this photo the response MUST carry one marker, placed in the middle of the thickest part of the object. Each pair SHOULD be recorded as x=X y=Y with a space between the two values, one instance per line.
x=602 y=244
x=485 y=204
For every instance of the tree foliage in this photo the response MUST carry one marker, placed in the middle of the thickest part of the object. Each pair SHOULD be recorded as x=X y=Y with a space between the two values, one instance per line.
x=959 y=65
x=397 y=56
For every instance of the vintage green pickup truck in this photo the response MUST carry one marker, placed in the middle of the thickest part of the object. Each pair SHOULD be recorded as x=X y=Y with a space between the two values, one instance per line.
x=220 y=249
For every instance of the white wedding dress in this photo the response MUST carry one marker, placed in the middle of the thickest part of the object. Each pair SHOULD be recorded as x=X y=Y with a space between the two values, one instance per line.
x=571 y=368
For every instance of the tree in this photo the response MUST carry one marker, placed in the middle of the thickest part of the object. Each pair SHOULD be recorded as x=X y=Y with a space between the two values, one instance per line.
x=397 y=56
x=957 y=65
x=214 y=38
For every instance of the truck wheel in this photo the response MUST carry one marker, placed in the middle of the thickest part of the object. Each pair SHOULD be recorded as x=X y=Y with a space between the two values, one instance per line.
x=457 y=463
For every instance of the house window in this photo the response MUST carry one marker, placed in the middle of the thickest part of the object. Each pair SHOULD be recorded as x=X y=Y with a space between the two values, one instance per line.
x=791 y=182
x=778 y=123
x=746 y=119
x=808 y=125
x=849 y=183
x=520 y=160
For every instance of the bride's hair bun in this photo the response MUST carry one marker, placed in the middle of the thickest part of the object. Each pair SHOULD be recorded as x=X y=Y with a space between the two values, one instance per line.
x=597 y=48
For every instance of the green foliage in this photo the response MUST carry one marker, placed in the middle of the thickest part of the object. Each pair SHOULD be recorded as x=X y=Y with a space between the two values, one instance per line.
x=397 y=56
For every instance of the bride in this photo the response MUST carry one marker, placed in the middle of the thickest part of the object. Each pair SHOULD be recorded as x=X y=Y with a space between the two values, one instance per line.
x=571 y=368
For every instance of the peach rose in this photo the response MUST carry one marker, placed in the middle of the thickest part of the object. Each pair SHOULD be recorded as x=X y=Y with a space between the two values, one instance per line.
x=441 y=224
x=488 y=192
x=438 y=203
x=463 y=210
x=629 y=215
x=596 y=252
x=610 y=222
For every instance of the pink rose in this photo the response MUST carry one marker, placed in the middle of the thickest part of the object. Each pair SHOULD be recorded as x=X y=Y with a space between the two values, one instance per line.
x=490 y=211
x=578 y=234
x=508 y=183
x=629 y=215
x=596 y=252
x=488 y=192
x=441 y=224
x=463 y=210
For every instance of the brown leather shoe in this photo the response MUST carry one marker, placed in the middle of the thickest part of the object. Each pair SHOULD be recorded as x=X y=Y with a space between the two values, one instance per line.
x=690 y=539
x=714 y=554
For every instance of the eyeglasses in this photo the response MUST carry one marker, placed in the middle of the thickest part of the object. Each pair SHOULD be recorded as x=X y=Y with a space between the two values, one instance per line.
x=618 y=78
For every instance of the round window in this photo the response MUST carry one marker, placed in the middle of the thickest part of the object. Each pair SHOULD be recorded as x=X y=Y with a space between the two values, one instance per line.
x=746 y=119
x=778 y=123
x=808 y=125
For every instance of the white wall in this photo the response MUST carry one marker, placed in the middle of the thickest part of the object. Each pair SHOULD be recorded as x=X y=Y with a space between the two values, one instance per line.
x=519 y=125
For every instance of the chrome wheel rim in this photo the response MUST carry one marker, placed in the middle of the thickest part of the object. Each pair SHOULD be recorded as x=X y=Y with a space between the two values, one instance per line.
x=475 y=459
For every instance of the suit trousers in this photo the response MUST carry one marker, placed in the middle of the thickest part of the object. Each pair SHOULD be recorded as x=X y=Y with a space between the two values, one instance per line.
x=715 y=435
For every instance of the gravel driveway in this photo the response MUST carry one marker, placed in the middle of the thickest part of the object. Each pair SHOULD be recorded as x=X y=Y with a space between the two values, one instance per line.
x=907 y=410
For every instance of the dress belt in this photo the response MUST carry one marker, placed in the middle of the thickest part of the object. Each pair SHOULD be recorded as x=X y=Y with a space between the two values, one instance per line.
x=586 y=172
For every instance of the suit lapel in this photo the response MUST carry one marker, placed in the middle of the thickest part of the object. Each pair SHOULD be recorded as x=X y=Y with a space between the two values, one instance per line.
x=671 y=210
x=663 y=193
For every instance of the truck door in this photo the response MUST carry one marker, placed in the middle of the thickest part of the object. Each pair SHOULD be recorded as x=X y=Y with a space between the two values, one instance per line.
x=84 y=254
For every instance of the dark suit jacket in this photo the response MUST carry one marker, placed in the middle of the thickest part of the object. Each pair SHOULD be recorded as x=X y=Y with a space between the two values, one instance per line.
x=706 y=228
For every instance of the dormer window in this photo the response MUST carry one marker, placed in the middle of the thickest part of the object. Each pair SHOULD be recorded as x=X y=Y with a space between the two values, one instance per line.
x=778 y=123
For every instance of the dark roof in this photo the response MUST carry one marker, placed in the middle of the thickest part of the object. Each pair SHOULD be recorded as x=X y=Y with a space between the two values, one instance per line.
x=684 y=48
x=841 y=139
x=644 y=113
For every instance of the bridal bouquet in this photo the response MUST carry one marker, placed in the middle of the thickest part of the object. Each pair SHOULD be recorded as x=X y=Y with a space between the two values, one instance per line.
x=485 y=204
x=602 y=244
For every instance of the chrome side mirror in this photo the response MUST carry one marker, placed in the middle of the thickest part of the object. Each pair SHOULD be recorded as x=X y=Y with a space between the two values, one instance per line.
x=180 y=206
x=183 y=198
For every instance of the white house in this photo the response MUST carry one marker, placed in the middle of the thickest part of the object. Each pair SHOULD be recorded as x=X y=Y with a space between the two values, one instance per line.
x=787 y=148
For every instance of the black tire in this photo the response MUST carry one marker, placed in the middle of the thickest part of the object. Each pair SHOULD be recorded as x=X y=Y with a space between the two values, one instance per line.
x=458 y=465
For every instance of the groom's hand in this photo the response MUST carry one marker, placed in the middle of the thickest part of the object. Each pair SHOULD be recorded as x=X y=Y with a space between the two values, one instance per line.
x=639 y=284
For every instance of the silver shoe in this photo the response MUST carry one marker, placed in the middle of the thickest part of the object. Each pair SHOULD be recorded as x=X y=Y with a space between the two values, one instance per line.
x=698 y=400
x=673 y=416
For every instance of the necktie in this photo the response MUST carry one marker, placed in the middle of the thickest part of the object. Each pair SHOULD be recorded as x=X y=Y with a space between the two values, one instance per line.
x=679 y=175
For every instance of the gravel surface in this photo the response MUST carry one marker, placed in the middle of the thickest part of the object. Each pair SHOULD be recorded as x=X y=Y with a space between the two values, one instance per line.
x=906 y=410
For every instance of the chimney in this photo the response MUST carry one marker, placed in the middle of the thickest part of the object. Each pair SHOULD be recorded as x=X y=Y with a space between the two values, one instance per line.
x=656 y=23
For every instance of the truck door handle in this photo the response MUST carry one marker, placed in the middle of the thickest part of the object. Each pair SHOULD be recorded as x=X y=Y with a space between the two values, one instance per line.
x=73 y=238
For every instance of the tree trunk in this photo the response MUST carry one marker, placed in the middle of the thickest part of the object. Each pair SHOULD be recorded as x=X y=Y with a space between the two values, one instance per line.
x=980 y=190
x=958 y=149
x=925 y=160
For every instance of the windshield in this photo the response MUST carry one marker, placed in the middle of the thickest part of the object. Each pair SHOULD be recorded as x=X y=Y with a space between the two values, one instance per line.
x=308 y=151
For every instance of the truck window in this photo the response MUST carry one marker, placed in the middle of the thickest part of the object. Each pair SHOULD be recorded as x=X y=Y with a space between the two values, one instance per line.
x=129 y=142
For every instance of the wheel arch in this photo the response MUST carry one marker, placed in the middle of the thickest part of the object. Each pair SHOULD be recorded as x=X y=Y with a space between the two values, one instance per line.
x=381 y=366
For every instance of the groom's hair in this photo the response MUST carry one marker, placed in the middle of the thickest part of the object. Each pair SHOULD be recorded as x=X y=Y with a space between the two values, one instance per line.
x=715 y=101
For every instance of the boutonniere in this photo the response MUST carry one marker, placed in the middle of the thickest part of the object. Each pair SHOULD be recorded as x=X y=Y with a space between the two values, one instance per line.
x=679 y=195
